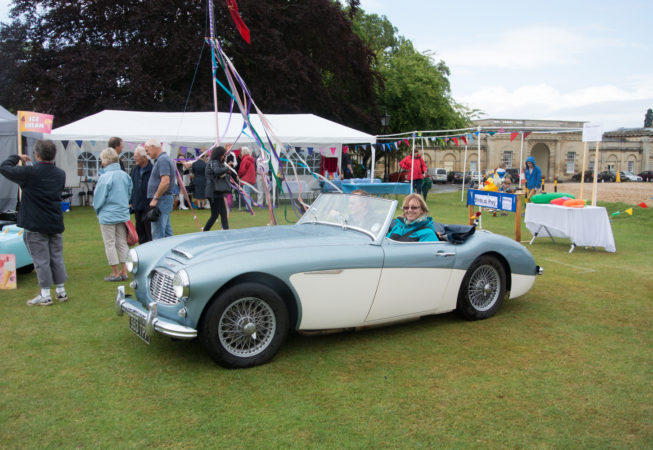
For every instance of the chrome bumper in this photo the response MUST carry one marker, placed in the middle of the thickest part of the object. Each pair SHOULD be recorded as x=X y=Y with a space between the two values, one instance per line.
x=126 y=304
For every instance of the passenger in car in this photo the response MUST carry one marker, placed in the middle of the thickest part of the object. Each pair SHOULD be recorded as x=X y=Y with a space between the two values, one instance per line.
x=414 y=225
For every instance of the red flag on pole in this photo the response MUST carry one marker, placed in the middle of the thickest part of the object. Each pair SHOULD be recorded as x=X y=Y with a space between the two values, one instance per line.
x=235 y=15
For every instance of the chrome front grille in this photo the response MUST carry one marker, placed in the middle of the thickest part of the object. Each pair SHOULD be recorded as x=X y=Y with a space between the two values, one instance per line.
x=161 y=287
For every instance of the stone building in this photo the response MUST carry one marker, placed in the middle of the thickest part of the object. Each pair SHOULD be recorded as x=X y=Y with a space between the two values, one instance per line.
x=556 y=146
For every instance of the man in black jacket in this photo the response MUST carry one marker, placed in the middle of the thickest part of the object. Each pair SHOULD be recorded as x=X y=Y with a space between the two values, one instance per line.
x=40 y=216
x=139 y=202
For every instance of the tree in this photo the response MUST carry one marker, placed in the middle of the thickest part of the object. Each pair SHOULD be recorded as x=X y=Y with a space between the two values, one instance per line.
x=648 y=119
x=415 y=89
x=73 y=59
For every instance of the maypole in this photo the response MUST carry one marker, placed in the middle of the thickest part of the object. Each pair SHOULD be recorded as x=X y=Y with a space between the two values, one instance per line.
x=214 y=70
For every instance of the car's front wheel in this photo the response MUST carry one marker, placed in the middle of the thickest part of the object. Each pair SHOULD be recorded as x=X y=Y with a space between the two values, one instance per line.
x=482 y=289
x=245 y=326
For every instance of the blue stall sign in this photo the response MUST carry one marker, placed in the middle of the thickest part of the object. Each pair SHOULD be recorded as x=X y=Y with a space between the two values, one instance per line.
x=495 y=200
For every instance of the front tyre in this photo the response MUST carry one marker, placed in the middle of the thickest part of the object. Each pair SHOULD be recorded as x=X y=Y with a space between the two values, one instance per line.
x=245 y=326
x=482 y=290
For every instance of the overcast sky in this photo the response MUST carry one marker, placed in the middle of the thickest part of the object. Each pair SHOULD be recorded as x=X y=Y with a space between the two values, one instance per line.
x=563 y=60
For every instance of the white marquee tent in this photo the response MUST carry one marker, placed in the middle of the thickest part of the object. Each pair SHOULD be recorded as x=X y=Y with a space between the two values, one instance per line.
x=176 y=131
x=199 y=128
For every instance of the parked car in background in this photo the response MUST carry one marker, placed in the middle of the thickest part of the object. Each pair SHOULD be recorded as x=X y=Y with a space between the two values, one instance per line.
x=589 y=176
x=455 y=177
x=647 y=175
x=333 y=270
x=608 y=176
x=630 y=176
x=438 y=175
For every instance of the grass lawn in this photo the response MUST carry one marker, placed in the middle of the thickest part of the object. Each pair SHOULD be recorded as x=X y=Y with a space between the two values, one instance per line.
x=567 y=365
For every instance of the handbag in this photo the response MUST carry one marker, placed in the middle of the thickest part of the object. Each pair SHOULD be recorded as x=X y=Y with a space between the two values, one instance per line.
x=152 y=213
x=132 y=236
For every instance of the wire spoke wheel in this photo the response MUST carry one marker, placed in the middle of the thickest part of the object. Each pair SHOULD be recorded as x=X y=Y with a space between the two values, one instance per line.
x=246 y=327
x=483 y=288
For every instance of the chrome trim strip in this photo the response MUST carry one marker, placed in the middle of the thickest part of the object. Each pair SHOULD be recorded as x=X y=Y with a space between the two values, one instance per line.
x=126 y=304
x=325 y=272
x=185 y=253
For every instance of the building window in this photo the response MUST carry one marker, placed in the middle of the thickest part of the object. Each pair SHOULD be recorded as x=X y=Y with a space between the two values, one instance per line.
x=571 y=162
x=631 y=166
x=127 y=159
x=473 y=166
x=87 y=165
x=507 y=159
x=611 y=167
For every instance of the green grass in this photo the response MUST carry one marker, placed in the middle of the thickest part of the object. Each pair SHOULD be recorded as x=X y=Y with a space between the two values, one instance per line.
x=567 y=365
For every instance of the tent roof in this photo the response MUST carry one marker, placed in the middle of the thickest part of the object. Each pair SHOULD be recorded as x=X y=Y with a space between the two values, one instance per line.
x=199 y=127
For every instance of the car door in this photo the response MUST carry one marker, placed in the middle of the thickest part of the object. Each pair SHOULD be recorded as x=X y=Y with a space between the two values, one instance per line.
x=338 y=288
x=414 y=280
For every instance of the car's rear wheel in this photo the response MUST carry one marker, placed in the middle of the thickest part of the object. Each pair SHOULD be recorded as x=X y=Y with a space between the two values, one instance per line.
x=482 y=289
x=245 y=326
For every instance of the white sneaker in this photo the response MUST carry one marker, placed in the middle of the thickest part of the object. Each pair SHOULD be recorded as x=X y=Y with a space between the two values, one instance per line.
x=40 y=301
x=61 y=296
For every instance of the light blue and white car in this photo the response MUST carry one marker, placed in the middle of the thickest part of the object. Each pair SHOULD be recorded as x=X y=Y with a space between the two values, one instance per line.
x=12 y=241
x=241 y=291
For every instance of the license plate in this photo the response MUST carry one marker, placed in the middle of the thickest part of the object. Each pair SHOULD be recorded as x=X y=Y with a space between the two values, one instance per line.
x=137 y=326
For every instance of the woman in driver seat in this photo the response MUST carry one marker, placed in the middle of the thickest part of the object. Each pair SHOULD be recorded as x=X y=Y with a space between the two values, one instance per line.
x=414 y=225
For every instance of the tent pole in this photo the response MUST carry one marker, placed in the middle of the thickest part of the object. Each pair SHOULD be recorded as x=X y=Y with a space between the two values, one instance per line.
x=521 y=161
x=480 y=177
x=462 y=191
x=412 y=165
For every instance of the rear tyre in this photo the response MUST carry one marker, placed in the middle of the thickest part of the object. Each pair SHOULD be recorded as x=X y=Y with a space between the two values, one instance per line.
x=482 y=290
x=245 y=326
x=25 y=269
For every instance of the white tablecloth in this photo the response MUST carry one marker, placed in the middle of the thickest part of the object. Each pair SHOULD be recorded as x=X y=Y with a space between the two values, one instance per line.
x=588 y=227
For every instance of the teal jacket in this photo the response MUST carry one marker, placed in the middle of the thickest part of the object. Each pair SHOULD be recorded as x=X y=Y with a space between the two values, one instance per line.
x=112 y=194
x=418 y=231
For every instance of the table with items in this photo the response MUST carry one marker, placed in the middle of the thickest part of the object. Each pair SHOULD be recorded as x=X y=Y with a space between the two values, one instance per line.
x=587 y=227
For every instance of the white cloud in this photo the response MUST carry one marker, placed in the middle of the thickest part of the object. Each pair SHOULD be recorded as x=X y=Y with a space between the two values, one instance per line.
x=548 y=99
x=528 y=48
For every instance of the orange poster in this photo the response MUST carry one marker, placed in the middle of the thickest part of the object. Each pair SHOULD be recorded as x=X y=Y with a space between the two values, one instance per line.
x=32 y=121
x=7 y=271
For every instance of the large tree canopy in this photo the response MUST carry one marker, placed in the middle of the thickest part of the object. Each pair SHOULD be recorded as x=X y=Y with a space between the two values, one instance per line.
x=75 y=58
x=415 y=90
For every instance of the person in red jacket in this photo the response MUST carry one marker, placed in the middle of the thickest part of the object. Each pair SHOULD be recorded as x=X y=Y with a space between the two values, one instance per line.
x=247 y=173
x=417 y=167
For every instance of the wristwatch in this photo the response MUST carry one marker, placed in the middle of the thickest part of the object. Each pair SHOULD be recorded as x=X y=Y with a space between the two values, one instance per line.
x=156 y=197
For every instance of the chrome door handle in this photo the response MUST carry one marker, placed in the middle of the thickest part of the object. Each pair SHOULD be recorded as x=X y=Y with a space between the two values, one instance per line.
x=441 y=253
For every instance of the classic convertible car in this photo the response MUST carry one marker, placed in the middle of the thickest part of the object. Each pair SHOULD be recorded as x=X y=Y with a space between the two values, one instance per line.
x=240 y=291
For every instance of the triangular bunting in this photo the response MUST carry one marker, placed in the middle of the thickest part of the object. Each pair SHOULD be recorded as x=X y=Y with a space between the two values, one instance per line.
x=513 y=135
x=79 y=144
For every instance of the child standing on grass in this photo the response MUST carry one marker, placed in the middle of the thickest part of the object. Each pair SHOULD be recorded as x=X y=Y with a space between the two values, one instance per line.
x=41 y=216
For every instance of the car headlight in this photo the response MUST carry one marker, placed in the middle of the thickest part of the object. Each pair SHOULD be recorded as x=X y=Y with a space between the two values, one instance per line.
x=132 y=261
x=181 y=284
